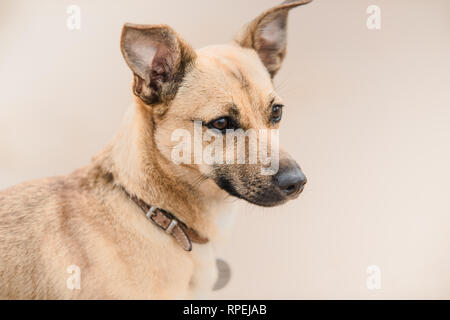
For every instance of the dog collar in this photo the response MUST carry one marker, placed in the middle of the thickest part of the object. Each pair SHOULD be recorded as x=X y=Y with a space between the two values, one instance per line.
x=169 y=223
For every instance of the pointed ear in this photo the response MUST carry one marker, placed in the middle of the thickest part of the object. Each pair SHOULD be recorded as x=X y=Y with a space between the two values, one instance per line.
x=267 y=34
x=159 y=59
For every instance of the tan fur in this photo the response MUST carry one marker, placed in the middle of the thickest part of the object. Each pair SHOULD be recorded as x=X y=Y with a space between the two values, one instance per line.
x=86 y=219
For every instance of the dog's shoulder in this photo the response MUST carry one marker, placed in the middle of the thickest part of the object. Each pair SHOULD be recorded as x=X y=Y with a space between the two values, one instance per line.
x=22 y=202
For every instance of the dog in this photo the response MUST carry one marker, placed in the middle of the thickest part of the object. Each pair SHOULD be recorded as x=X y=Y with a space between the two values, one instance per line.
x=133 y=224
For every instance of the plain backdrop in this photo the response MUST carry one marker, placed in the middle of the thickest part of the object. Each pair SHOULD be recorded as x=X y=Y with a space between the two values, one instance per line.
x=367 y=117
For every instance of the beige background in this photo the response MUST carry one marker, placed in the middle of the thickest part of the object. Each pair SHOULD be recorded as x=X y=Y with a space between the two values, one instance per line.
x=368 y=118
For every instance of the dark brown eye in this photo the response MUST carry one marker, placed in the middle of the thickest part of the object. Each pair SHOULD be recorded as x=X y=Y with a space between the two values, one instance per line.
x=220 y=124
x=277 y=112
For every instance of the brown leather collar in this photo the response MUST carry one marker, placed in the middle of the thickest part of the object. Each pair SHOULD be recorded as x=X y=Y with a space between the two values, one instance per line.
x=170 y=224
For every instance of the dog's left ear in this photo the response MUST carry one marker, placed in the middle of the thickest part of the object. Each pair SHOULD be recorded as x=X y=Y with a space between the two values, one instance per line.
x=267 y=34
x=158 y=58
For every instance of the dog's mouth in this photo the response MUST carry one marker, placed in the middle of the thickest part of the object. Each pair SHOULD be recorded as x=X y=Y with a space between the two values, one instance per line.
x=260 y=195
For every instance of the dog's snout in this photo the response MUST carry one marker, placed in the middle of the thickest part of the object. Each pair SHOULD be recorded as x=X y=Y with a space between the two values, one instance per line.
x=290 y=179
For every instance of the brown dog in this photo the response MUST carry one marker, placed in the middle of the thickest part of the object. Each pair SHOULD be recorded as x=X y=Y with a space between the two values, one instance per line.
x=95 y=221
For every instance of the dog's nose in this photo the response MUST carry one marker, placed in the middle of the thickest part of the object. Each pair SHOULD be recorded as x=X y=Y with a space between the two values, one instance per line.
x=290 y=179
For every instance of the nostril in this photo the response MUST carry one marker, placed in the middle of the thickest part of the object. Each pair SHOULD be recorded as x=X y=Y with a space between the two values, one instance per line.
x=291 y=189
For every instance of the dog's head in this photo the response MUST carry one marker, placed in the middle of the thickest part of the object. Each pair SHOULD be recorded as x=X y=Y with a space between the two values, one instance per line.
x=203 y=102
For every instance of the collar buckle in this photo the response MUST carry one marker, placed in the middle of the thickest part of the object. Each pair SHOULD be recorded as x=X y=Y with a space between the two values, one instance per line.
x=151 y=212
x=171 y=226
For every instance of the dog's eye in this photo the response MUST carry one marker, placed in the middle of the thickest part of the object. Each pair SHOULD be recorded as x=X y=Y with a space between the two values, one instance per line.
x=277 y=112
x=220 y=124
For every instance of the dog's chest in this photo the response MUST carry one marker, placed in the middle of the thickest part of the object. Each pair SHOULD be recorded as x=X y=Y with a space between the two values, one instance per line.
x=205 y=273
x=162 y=269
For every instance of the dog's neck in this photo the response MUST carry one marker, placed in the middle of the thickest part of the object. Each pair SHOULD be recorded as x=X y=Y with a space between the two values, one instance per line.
x=138 y=166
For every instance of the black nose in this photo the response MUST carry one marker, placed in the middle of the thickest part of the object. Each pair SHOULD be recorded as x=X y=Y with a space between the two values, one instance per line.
x=290 y=179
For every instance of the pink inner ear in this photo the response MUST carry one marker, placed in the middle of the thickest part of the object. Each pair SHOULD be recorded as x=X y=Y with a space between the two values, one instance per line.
x=273 y=35
x=144 y=51
x=140 y=55
x=162 y=64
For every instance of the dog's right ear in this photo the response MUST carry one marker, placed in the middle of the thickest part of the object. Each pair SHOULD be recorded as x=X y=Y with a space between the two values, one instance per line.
x=158 y=58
